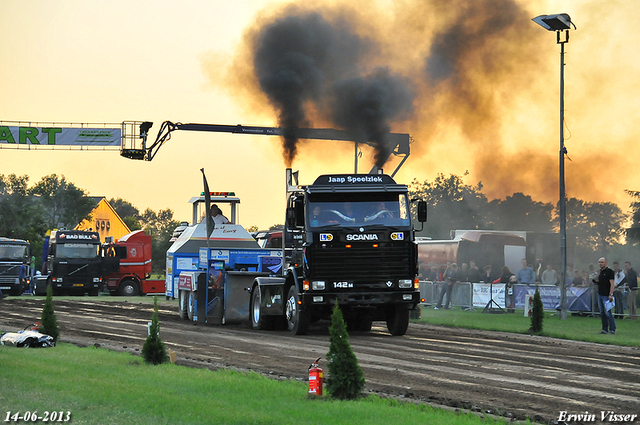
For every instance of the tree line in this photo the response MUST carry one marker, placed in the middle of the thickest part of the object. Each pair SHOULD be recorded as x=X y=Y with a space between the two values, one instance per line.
x=55 y=203
x=599 y=228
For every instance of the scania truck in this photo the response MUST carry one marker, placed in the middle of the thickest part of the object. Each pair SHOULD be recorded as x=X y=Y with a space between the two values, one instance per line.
x=348 y=239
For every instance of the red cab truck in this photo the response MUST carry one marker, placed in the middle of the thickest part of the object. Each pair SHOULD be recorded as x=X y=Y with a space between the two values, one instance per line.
x=134 y=252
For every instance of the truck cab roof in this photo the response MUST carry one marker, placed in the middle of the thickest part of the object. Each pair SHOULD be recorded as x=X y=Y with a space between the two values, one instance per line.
x=331 y=183
x=75 y=236
x=14 y=241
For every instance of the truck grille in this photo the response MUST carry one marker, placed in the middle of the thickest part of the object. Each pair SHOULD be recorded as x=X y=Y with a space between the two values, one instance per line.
x=9 y=273
x=84 y=274
x=361 y=263
x=9 y=280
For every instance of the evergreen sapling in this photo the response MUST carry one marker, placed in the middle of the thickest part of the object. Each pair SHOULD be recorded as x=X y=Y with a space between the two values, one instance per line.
x=153 y=350
x=537 y=314
x=49 y=323
x=346 y=378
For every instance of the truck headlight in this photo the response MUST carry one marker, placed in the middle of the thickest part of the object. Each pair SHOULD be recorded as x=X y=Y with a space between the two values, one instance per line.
x=96 y=279
x=318 y=285
x=58 y=279
x=405 y=283
x=406 y=297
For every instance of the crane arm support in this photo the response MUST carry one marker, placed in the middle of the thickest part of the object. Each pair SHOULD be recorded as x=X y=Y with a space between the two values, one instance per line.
x=399 y=141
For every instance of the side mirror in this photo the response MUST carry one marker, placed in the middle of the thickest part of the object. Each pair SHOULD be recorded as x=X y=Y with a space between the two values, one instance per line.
x=291 y=218
x=299 y=209
x=422 y=211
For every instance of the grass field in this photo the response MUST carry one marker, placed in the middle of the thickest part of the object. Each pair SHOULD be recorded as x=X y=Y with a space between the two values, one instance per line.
x=97 y=386
x=102 y=387
x=575 y=327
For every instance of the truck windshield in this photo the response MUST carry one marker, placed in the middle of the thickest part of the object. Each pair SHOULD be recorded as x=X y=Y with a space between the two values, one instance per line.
x=77 y=250
x=359 y=209
x=12 y=252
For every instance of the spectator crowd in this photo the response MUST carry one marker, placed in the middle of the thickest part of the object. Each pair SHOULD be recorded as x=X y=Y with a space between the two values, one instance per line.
x=625 y=281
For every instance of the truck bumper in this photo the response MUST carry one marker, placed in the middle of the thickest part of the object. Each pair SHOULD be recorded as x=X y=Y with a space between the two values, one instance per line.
x=88 y=286
x=12 y=288
x=374 y=304
x=361 y=298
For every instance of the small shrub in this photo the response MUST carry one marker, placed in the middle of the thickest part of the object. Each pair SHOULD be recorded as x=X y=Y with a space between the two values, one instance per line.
x=49 y=323
x=346 y=378
x=537 y=314
x=153 y=350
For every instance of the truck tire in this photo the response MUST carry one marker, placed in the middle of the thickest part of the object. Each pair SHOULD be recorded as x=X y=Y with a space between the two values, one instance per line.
x=183 y=299
x=129 y=288
x=297 y=320
x=398 y=320
x=191 y=304
x=258 y=320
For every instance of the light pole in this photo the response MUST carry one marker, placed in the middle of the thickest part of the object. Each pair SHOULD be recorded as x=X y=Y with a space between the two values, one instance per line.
x=561 y=24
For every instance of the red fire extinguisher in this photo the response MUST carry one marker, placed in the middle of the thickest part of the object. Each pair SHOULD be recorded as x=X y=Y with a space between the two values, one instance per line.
x=315 y=378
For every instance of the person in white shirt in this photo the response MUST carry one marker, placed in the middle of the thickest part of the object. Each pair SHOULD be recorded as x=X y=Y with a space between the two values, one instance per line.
x=549 y=276
x=216 y=214
x=618 y=274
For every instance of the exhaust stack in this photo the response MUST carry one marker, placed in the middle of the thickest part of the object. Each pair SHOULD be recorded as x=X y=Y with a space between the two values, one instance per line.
x=292 y=181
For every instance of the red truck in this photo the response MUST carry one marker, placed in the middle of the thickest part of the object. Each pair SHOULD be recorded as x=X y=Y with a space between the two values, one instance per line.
x=134 y=252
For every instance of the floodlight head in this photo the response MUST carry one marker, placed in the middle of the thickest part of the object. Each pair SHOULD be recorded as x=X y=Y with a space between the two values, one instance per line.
x=558 y=22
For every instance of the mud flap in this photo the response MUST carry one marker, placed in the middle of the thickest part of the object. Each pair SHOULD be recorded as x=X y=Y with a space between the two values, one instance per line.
x=201 y=298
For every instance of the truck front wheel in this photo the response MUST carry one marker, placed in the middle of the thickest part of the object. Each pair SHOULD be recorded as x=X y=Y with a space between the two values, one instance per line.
x=258 y=320
x=297 y=320
x=398 y=320
x=129 y=288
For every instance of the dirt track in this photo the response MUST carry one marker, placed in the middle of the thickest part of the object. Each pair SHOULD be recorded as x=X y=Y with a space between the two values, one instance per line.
x=516 y=376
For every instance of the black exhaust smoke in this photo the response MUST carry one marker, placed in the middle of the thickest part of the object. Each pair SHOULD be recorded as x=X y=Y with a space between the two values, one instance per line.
x=294 y=57
x=307 y=59
x=366 y=106
x=467 y=63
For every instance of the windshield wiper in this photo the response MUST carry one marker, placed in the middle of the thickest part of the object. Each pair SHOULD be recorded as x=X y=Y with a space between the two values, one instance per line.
x=381 y=227
x=329 y=226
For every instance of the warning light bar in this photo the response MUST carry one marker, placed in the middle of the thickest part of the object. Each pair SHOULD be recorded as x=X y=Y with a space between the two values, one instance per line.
x=219 y=194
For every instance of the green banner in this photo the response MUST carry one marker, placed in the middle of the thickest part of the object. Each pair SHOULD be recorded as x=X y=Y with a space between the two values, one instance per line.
x=60 y=136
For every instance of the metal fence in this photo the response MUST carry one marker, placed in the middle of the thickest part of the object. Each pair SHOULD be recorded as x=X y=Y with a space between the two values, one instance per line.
x=462 y=296
x=461 y=293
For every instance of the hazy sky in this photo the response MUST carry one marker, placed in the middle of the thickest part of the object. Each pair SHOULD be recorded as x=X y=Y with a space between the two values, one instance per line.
x=486 y=98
